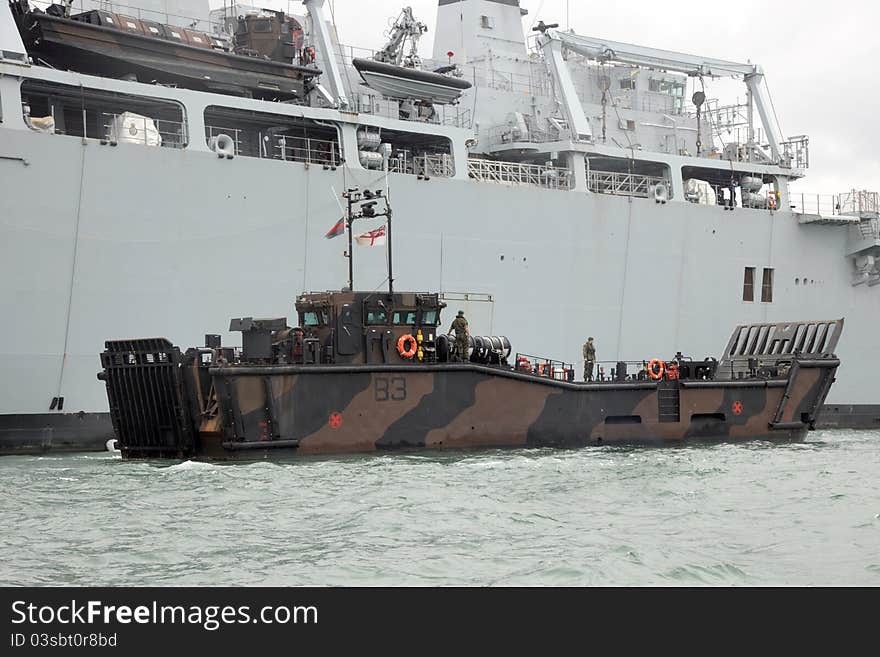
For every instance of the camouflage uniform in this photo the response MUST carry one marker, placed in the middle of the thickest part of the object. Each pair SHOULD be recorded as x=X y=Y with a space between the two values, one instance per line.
x=460 y=328
x=589 y=359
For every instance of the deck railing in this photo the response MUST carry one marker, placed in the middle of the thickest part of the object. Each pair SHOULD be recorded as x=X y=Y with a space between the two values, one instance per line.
x=281 y=147
x=622 y=184
x=167 y=18
x=544 y=367
x=852 y=203
x=430 y=166
x=859 y=202
x=517 y=173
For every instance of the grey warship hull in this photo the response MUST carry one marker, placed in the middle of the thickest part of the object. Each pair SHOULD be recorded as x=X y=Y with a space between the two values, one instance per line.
x=643 y=280
x=107 y=238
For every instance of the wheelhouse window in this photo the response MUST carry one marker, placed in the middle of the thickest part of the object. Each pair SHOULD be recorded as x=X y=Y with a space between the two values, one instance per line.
x=749 y=284
x=429 y=317
x=627 y=83
x=315 y=318
x=767 y=286
x=377 y=317
x=404 y=317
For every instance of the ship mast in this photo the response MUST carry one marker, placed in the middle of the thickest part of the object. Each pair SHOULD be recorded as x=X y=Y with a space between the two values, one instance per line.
x=362 y=205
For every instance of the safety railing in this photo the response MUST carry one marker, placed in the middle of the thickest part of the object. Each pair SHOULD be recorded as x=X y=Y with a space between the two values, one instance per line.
x=607 y=371
x=535 y=82
x=632 y=371
x=448 y=115
x=702 y=193
x=623 y=184
x=212 y=131
x=456 y=116
x=164 y=17
x=517 y=173
x=131 y=128
x=859 y=202
x=854 y=203
x=279 y=147
x=544 y=367
x=818 y=204
x=438 y=165
x=304 y=149
x=796 y=151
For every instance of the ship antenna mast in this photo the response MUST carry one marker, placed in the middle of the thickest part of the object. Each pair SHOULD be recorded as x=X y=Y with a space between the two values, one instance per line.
x=362 y=205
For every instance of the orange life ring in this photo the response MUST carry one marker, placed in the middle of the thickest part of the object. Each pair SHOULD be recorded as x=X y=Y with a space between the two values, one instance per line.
x=401 y=346
x=656 y=375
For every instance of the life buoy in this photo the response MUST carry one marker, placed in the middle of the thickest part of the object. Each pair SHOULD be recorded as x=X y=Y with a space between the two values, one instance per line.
x=771 y=201
x=402 y=348
x=656 y=374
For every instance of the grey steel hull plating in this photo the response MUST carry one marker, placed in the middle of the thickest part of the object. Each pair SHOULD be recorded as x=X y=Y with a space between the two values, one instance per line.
x=107 y=242
x=39 y=433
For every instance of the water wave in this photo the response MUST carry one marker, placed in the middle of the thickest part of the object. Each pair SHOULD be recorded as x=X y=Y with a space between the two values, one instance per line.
x=709 y=515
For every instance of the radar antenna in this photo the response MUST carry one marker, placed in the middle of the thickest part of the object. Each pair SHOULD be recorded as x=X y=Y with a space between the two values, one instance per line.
x=405 y=28
x=542 y=27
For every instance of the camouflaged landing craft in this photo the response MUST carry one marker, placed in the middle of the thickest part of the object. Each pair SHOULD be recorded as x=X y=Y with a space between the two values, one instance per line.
x=365 y=372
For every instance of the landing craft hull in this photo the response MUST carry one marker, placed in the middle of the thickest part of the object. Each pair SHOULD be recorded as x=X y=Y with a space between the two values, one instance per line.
x=282 y=411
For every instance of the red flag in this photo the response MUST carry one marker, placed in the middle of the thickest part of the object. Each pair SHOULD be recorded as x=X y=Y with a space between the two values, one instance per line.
x=337 y=230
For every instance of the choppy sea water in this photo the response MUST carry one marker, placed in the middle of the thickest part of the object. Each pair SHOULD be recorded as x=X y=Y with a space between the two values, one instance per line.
x=729 y=514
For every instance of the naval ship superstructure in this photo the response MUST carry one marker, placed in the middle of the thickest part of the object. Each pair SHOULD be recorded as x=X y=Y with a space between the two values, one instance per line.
x=576 y=186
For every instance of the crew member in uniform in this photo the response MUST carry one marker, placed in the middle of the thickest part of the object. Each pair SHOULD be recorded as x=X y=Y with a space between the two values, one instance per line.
x=589 y=359
x=460 y=328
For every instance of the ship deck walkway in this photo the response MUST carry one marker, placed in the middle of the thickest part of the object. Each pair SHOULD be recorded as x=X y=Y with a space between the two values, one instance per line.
x=846 y=209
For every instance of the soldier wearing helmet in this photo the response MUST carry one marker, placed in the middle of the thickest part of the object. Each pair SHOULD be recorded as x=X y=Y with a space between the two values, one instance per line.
x=460 y=328
x=589 y=359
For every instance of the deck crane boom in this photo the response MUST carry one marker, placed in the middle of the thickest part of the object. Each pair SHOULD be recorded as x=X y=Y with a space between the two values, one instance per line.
x=405 y=28
x=554 y=42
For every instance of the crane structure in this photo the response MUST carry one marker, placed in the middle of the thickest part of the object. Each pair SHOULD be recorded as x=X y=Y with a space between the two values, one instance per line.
x=554 y=43
x=405 y=28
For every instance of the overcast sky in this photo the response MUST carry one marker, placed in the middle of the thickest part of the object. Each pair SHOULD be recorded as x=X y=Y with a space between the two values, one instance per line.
x=820 y=59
